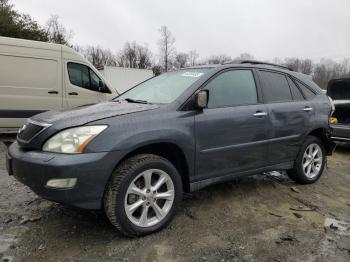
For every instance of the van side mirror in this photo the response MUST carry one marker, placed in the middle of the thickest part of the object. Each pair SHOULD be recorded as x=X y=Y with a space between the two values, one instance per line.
x=202 y=98
x=101 y=84
x=102 y=87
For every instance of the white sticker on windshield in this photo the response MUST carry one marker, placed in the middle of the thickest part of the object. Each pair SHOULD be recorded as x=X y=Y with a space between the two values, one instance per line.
x=192 y=74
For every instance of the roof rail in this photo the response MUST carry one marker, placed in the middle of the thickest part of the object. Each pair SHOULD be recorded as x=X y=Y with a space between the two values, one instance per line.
x=253 y=62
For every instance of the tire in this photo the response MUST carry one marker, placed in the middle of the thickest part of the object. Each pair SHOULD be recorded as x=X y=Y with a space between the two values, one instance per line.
x=120 y=195
x=300 y=174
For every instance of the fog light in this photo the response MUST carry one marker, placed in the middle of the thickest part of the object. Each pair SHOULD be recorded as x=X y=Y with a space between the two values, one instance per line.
x=63 y=183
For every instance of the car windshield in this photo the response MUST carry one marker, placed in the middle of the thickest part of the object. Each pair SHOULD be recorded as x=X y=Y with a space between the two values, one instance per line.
x=164 y=88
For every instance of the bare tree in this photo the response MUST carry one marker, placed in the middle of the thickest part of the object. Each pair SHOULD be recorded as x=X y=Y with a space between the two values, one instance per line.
x=243 y=57
x=328 y=69
x=144 y=56
x=181 y=60
x=193 y=56
x=99 y=56
x=134 y=55
x=219 y=59
x=304 y=66
x=166 y=46
x=56 y=32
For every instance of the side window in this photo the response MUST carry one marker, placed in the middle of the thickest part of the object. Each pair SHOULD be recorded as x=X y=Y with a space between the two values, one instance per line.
x=79 y=75
x=94 y=81
x=297 y=95
x=275 y=87
x=82 y=76
x=307 y=92
x=232 y=88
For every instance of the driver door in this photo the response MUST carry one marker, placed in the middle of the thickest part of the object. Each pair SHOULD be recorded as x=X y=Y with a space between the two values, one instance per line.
x=82 y=86
x=231 y=134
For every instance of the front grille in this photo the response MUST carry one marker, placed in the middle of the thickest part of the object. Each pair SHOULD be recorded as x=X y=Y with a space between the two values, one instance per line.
x=29 y=131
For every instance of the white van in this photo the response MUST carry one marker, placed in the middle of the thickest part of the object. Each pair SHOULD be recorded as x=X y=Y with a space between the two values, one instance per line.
x=37 y=76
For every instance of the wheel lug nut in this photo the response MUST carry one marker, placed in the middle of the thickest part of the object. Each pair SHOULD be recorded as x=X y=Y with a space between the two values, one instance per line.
x=147 y=191
x=154 y=192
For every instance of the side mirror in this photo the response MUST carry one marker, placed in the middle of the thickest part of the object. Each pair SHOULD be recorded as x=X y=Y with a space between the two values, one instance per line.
x=202 y=98
x=102 y=87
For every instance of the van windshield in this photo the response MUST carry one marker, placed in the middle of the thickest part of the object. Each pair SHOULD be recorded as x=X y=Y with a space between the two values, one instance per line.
x=164 y=88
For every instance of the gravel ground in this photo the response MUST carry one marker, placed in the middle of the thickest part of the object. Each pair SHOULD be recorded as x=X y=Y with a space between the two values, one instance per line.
x=260 y=218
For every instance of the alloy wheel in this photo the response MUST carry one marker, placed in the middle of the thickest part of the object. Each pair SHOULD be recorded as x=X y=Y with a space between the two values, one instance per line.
x=149 y=198
x=312 y=161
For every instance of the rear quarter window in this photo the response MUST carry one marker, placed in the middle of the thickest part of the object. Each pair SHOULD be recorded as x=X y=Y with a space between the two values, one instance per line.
x=296 y=93
x=306 y=90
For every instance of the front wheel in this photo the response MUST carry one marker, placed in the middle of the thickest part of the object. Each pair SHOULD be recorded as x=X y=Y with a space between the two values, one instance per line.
x=310 y=162
x=143 y=195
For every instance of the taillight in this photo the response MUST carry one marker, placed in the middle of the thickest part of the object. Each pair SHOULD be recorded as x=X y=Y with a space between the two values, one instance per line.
x=332 y=105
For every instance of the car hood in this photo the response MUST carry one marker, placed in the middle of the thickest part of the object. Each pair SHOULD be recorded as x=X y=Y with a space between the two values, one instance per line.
x=54 y=121
x=85 y=114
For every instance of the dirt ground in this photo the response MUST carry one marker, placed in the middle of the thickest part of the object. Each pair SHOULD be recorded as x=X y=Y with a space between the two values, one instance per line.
x=260 y=218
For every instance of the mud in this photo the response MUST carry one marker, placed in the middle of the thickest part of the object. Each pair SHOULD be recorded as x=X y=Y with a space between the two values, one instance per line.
x=261 y=218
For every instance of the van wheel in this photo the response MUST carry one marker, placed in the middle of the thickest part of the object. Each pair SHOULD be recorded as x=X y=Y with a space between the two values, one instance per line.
x=143 y=195
x=310 y=162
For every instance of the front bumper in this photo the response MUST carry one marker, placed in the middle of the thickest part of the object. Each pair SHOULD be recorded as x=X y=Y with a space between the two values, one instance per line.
x=341 y=132
x=92 y=170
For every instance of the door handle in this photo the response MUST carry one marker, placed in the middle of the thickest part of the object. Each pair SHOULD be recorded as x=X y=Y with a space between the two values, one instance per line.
x=260 y=114
x=73 y=93
x=307 y=109
x=53 y=92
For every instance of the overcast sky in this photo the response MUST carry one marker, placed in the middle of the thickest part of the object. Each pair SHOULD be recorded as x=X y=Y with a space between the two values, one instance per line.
x=265 y=28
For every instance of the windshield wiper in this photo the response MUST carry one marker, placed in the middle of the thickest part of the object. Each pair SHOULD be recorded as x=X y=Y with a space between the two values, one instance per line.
x=130 y=100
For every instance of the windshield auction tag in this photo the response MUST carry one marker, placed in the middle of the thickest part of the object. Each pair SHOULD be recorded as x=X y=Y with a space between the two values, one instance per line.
x=192 y=74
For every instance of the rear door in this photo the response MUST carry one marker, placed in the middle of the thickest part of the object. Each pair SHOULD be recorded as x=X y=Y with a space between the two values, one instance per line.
x=231 y=134
x=290 y=115
x=81 y=85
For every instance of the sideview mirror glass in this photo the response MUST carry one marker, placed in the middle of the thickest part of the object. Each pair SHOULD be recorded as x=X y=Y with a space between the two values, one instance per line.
x=202 y=98
x=101 y=84
x=102 y=87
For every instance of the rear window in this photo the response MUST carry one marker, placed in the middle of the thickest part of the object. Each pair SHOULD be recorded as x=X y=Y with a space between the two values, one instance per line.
x=275 y=87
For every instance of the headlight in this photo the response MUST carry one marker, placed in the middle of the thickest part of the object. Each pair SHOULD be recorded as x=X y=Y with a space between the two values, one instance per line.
x=73 y=140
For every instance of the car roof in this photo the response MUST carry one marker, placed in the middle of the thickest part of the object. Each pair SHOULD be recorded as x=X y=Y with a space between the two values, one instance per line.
x=306 y=79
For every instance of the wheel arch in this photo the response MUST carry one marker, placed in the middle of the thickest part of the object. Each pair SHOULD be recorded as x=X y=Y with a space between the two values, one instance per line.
x=170 y=151
x=324 y=134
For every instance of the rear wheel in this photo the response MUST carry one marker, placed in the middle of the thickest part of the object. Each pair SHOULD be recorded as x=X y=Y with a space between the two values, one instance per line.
x=310 y=162
x=143 y=195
